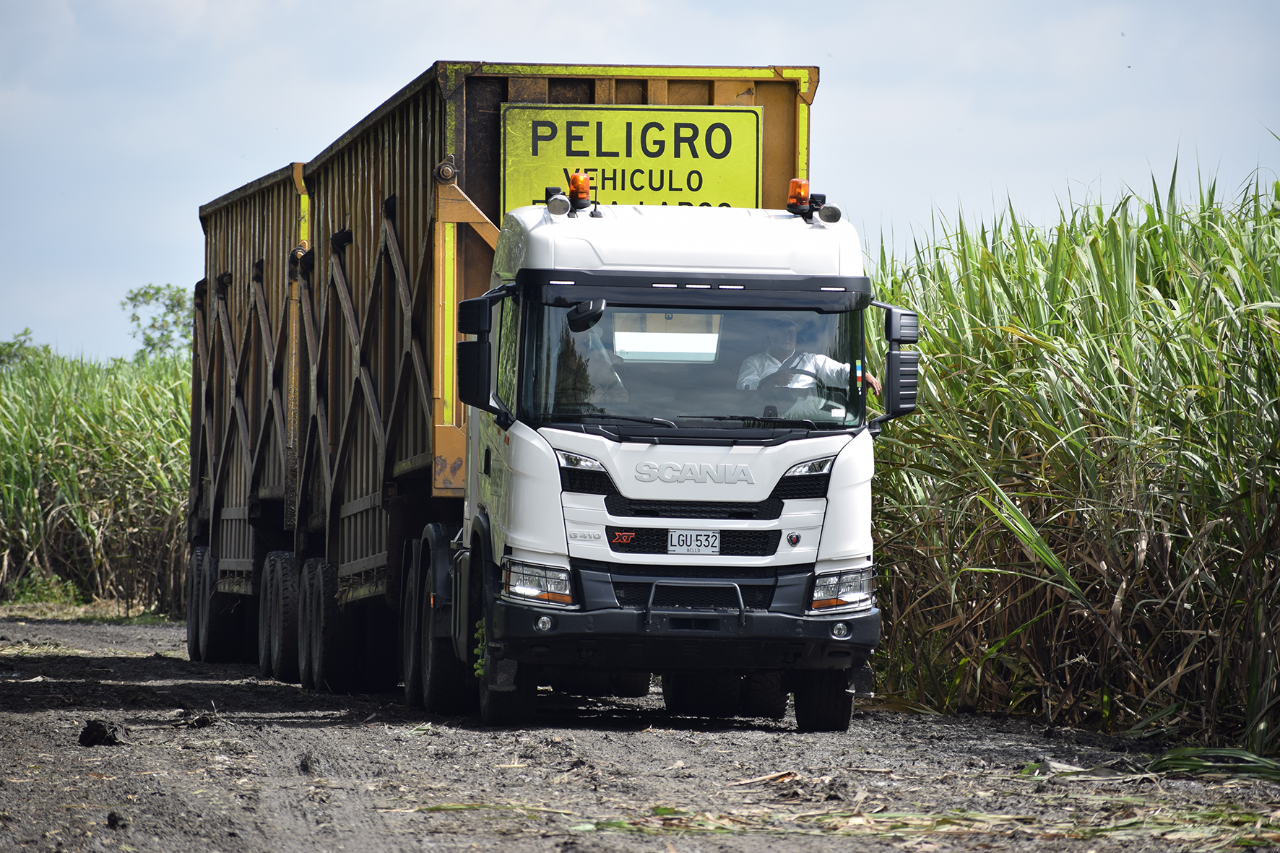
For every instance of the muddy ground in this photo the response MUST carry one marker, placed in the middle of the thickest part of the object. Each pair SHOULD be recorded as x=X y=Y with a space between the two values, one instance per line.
x=212 y=758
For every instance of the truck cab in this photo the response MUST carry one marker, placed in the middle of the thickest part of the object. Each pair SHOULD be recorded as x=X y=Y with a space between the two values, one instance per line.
x=670 y=460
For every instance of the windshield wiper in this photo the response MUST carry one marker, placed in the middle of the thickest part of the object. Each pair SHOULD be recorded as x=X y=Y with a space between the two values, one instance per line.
x=806 y=422
x=605 y=417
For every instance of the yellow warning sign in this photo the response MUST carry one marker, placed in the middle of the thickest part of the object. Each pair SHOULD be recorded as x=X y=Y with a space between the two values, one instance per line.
x=691 y=156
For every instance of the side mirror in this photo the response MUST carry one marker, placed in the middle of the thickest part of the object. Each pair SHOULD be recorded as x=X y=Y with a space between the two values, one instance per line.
x=473 y=373
x=901 y=326
x=901 y=383
x=473 y=316
x=901 y=369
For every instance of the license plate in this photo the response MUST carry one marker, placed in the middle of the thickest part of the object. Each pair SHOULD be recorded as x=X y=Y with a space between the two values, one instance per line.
x=693 y=542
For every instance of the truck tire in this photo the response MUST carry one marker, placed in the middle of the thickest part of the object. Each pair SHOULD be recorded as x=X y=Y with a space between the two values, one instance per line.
x=219 y=637
x=447 y=683
x=195 y=597
x=702 y=694
x=505 y=708
x=306 y=615
x=371 y=624
x=411 y=625
x=284 y=617
x=266 y=615
x=332 y=658
x=763 y=696
x=823 y=700
x=631 y=685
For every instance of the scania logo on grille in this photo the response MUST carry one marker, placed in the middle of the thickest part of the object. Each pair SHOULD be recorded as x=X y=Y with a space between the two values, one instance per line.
x=670 y=472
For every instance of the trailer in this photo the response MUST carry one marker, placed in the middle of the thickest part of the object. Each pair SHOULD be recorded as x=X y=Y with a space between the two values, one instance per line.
x=360 y=515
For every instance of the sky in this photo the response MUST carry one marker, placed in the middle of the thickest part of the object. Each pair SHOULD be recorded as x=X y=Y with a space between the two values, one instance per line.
x=119 y=118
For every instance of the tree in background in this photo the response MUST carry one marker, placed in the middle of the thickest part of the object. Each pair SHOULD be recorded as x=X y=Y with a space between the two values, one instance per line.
x=18 y=349
x=168 y=330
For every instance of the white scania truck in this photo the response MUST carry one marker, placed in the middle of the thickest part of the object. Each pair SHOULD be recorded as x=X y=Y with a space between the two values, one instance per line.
x=452 y=431
x=670 y=470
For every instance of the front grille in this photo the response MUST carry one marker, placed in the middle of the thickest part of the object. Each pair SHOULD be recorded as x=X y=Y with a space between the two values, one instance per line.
x=733 y=543
x=587 y=482
x=621 y=507
x=801 y=487
x=635 y=595
x=687 y=571
x=734 y=572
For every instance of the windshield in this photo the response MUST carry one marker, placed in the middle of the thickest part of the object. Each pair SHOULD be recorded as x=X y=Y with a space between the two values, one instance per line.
x=695 y=368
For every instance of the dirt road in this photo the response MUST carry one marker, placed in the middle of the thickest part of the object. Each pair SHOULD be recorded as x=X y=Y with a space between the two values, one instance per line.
x=212 y=758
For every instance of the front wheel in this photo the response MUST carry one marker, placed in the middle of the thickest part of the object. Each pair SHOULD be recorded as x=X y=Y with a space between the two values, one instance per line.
x=823 y=700
x=510 y=707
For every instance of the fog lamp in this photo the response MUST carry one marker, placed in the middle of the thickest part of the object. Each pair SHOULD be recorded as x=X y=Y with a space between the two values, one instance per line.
x=544 y=623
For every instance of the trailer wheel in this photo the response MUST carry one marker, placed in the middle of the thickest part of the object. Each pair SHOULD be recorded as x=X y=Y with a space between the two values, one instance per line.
x=411 y=625
x=331 y=652
x=195 y=597
x=447 y=687
x=763 y=696
x=823 y=700
x=284 y=617
x=219 y=637
x=266 y=615
x=306 y=616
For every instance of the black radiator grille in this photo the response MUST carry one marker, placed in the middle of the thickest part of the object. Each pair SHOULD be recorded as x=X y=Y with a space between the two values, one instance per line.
x=632 y=594
x=733 y=543
x=621 y=507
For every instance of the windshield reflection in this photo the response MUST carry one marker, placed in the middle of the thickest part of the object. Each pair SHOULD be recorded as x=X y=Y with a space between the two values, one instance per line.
x=696 y=368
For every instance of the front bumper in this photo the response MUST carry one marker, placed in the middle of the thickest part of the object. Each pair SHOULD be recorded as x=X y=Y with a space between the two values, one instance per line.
x=667 y=641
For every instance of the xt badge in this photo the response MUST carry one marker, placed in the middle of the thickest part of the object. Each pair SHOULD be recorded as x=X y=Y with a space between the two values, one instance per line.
x=793 y=539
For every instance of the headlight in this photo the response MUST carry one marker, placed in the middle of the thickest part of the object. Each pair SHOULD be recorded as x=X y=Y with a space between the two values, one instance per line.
x=542 y=583
x=817 y=466
x=843 y=589
x=576 y=462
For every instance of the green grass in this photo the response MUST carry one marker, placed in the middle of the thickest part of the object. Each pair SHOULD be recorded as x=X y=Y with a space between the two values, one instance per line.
x=93 y=477
x=1083 y=520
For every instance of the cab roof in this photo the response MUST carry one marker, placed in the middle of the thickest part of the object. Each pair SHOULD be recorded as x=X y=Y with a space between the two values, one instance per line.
x=703 y=239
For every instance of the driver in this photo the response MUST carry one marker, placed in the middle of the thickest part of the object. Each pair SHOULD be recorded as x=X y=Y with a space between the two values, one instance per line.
x=783 y=366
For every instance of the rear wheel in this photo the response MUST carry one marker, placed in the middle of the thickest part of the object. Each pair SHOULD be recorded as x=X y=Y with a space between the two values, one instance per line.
x=447 y=683
x=331 y=651
x=266 y=616
x=631 y=685
x=195 y=598
x=375 y=671
x=763 y=696
x=411 y=626
x=219 y=637
x=284 y=617
x=702 y=694
x=306 y=616
x=823 y=701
